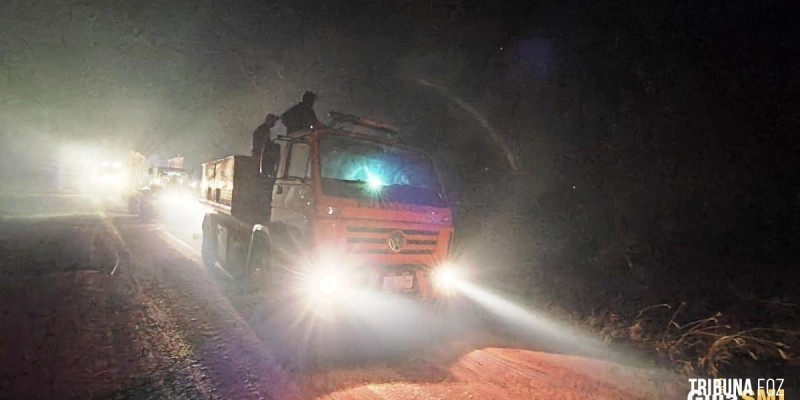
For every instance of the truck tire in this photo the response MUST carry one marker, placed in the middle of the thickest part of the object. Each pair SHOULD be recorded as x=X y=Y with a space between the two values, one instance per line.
x=208 y=251
x=236 y=252
x=258 y=260
x=281 y=250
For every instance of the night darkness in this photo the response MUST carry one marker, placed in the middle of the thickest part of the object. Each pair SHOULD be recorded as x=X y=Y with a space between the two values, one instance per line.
x=631 y=167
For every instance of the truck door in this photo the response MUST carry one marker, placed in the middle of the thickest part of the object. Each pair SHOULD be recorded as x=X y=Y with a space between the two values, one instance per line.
x=291 y=196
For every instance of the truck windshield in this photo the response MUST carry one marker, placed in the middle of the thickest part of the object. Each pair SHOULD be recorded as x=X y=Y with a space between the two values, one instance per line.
x=362 y=169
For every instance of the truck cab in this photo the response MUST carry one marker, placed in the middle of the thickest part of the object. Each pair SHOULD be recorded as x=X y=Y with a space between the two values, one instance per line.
x=344 y=209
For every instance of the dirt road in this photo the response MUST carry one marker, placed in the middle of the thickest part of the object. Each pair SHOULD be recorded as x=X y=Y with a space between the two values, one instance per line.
x=162 y=326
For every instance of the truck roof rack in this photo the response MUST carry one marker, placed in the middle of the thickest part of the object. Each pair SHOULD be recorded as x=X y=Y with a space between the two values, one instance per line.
x=372 y=125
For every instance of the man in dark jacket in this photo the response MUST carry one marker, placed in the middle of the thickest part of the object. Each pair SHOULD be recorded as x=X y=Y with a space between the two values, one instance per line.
x=262 y=135
x=268 y=164
x=301 y=115
x=265 y=159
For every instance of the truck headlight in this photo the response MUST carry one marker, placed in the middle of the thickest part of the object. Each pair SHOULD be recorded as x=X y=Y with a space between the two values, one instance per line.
x=111 y=179
x=327 y=284
x=446 y=278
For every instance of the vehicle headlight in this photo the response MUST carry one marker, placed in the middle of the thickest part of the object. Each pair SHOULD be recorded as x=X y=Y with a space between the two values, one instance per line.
x=327 y=284
x=172 y=198
x=110 y=178
x=446 y=277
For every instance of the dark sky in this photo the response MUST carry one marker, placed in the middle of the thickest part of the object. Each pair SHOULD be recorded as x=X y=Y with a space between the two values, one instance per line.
x=159 y=75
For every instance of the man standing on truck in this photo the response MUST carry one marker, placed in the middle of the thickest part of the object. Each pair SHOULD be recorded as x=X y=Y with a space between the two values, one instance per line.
x=262 y=135
x=301 y=115
x=268 y=161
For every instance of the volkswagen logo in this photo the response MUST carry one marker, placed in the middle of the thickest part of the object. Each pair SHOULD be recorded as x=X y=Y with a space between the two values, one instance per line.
x=396 y=241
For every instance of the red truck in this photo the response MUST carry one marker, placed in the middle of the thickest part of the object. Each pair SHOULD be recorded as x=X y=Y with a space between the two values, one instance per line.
x=333 y=209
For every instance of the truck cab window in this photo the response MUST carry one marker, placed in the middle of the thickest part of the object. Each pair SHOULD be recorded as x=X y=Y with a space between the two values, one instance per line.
x=298 y=161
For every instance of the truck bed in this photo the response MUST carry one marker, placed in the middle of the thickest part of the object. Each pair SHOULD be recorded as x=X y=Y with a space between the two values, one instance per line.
x=233 y=186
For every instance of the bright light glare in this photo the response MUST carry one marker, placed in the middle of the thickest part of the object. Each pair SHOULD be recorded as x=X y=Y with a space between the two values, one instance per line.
x=173 y=198
x=328 y=284
x=445 y=277
x=363 y=173
x=531 y=323
x=111 y=179
x=374 y=182
x=183 y=213
x=322 y=294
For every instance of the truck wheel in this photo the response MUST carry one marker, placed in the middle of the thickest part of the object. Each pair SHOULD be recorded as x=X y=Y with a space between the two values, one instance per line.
x=236 y=256
x=258 y=259
x=208 y=251
x=281 y=249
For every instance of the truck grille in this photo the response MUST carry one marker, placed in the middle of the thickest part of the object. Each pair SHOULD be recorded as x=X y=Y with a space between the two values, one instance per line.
x=371 y=240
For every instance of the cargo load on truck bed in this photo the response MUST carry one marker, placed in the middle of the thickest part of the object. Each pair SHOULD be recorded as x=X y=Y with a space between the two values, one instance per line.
x=232 y=185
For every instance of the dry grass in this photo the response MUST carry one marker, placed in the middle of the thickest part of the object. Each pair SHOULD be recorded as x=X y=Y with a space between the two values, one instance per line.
x=705 y=345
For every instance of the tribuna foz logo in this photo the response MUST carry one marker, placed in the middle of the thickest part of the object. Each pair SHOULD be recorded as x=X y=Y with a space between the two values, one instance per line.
x=736 y=389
